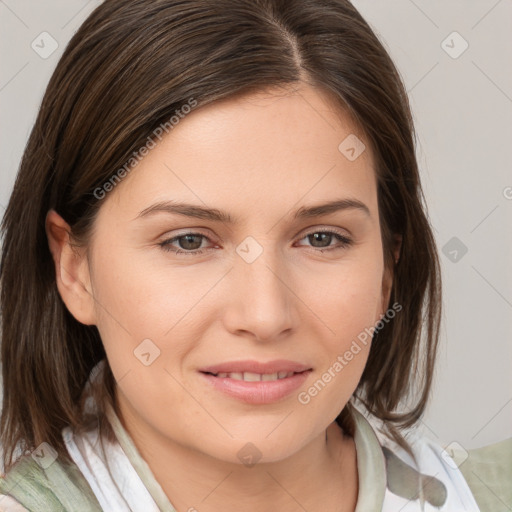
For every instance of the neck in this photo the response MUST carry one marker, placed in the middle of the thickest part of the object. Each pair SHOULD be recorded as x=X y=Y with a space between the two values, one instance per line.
x=322 y=475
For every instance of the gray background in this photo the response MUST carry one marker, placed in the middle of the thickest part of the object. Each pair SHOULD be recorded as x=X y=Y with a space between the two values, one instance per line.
x=462 y=106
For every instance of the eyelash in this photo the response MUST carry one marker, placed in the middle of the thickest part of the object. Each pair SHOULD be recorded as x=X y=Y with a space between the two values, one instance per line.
x=345 y=242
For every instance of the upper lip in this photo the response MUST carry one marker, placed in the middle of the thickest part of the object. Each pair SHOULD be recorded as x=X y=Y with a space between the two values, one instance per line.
x=278 y=365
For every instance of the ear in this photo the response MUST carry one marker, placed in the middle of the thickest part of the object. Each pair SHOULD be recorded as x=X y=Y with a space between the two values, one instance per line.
x=387 y=280
x=71 y=270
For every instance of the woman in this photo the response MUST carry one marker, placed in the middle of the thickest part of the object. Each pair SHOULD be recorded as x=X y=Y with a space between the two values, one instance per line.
x=220 y=288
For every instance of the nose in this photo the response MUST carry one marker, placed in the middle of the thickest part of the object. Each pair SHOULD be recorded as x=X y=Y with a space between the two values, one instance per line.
x=261 y=303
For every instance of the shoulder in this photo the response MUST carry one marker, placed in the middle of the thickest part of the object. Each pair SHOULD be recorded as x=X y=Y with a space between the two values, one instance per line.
x=441 y=482
x=25 y=483
x=431 y=476
x=488 y=472
x=59 y=487
x=424 y=479
x=476 y=479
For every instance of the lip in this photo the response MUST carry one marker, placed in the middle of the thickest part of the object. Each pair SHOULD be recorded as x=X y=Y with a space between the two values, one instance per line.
x=257 y=393
x=278 y=365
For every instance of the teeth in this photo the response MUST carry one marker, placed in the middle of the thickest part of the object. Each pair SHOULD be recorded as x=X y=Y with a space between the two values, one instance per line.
x=252 y=377
x=255 y=377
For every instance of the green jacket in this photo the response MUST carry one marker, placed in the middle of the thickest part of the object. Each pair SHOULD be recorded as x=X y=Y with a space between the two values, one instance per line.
x=58 y=488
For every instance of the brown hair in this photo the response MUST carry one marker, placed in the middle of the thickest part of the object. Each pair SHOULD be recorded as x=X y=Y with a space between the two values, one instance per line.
x=126 y=71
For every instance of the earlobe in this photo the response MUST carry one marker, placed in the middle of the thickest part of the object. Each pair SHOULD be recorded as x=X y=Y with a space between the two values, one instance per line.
x=71 y=270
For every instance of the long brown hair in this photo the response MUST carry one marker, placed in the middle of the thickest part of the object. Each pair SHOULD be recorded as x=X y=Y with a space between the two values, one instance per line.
x=128 y=69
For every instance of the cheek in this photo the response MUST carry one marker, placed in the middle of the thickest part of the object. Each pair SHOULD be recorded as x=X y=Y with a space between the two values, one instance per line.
x=139 y=296
x=346 y=297
x=136 y=301
x=126 y=304
x=347 y=302
x=347 y=311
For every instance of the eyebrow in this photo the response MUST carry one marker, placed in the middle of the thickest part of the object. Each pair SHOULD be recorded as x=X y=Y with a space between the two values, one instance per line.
x=213 y=214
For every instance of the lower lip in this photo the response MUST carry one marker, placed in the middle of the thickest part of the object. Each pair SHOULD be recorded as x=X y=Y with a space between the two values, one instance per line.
x=260 y=392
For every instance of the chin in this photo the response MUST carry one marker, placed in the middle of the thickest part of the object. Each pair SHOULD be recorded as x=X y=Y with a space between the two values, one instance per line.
x=259 y=449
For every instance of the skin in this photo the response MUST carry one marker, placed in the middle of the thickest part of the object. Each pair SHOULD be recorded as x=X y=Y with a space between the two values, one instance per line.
x=259 y=158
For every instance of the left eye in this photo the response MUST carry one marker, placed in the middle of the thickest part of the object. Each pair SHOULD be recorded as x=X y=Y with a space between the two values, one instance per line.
x=322 y=236
x=190 y=243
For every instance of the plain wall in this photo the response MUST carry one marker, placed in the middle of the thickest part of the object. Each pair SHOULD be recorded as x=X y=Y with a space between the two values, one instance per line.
x=462 y=106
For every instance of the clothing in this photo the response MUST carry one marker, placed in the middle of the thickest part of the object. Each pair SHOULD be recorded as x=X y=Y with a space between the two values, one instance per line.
x=115 y=478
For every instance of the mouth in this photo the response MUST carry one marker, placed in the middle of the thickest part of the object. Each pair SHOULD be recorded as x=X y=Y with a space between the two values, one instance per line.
x=256 y=388
x=254 y=377
x=272 y=370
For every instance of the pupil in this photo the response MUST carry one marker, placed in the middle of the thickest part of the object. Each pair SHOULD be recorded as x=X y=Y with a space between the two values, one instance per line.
x=318 y=237
x=189 y=241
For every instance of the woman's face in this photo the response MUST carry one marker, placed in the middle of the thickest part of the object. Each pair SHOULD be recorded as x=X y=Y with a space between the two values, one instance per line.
x=262 y=287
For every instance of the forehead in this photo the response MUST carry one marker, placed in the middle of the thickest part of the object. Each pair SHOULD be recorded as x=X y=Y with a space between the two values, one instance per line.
x=264 y=150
